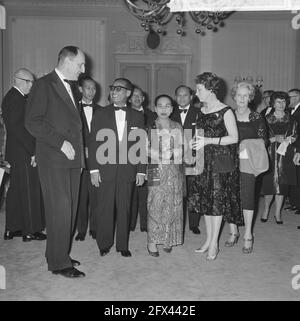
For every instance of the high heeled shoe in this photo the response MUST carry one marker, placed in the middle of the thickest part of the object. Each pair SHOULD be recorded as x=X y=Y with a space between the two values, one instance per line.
x=154 y=254
x=212 y=257
x=234 y=240
x=248 y=250
x=201 y=250
x=278 y=221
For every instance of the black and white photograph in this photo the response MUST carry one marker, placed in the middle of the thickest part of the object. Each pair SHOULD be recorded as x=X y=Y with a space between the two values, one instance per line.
x=149 y=153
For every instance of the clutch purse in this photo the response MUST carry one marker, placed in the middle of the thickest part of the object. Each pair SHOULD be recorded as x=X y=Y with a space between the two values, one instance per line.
x=153 y=175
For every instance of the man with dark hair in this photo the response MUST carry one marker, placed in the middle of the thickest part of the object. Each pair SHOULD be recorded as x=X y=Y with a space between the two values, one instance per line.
x=24 y=209
x=52 y=117
x=266 y=96
x=186 y=115
x=140 y=193
x=115 y=177
x=87 y=196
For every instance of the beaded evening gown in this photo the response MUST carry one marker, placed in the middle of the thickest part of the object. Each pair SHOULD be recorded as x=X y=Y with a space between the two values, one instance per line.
x=212 y=193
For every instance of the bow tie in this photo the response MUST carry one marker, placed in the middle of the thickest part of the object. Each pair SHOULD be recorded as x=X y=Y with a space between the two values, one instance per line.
x=71 y=82
x=87 y=105
x=120 y=108
x=182 y=110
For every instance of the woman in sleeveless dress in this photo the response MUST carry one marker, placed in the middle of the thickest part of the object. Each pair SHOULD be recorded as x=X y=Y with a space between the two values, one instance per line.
x=215 y=194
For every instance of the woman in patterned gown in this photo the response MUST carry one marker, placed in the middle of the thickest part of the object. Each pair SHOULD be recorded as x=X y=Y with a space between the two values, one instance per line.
x=282 y=173
x=165 y=180
x=213 y=194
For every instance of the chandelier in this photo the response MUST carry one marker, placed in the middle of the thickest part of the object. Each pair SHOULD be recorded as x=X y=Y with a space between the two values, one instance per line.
x=155 y=15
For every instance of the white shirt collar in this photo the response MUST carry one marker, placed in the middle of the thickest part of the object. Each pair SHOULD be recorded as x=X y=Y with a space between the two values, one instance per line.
x=185 y=108
x=61 y=76
x=19 y=90
x=296 y=107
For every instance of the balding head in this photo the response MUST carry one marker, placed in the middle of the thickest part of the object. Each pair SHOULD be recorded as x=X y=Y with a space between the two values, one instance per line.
x=23 y=80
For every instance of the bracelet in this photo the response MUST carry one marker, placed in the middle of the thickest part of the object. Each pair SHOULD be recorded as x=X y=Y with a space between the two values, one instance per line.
x=220 y=140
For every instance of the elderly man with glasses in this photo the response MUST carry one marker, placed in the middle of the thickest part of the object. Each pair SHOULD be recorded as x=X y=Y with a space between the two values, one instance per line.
x=24 y=210
x=114 y=131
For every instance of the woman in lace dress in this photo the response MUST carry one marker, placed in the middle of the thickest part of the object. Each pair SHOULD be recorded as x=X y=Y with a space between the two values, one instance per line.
x=251 y=125
x=165 y=180
x=282 y=173
x=214 y=194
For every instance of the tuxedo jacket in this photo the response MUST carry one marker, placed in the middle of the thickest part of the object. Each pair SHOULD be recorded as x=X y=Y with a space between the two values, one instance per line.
x=149 y=117
x=52 y=118
x=296 y=115
x=190 y=118
x=85 y=127
x=20 y=144
x=105 y=119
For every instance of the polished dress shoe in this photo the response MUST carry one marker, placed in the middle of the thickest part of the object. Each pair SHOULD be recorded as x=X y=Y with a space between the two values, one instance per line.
x=126 y=253
x=39 y=236
x=291 y=208
x=93 y=234
x=8 y=235
x=28 y=238
x=80 y=237
x=75 y=262
x=70 y=272
x=104 y=252
x=143 y=229
x=263 y=220
x=195 y=230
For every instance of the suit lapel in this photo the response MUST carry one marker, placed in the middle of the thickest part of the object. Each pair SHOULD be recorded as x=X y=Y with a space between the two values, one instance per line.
x=190 y=117
x=62 y=92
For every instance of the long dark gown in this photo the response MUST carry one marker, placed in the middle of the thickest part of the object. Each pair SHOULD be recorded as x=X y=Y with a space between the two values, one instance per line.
x=282 y=171
x=216 y=194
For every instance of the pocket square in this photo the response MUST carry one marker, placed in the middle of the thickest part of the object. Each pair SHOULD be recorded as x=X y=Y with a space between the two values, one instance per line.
x=133 y=127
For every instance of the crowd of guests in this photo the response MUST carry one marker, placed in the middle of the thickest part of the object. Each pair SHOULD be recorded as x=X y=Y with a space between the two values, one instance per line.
x=71 y=166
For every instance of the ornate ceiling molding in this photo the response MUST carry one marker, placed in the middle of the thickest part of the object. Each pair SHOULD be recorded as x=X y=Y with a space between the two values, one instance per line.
x=106 y=3
x=136 y=44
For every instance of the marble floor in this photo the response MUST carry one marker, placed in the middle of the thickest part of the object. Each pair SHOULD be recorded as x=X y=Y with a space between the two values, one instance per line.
x=271 y=272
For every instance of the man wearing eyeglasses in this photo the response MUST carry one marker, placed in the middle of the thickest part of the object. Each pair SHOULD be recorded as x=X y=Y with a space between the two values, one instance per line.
x=53 y=118
x=24 y=210
x=115 y=178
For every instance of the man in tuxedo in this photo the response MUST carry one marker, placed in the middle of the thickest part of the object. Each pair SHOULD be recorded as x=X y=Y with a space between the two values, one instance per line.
x=294 y=192
x=24 y=208
x=52 y=117
x=113 y=171
x=186 y=115
x=87 y=196
x=140 y=193
x=266 y=101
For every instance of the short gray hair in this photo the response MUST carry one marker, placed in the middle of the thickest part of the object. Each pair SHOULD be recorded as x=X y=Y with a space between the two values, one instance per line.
x=243 y=84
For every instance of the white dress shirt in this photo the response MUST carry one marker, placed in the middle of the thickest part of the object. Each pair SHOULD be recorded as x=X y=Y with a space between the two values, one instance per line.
x=120 y=121
x=268 y=110
x=67 y=86
x=183 y=115
x=88 y=112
